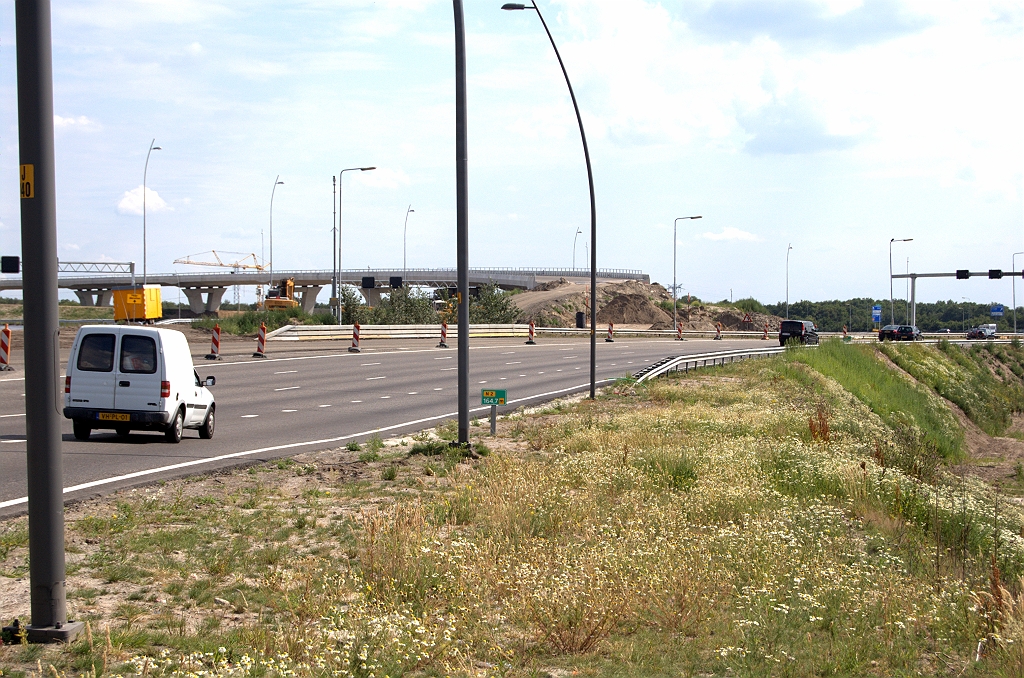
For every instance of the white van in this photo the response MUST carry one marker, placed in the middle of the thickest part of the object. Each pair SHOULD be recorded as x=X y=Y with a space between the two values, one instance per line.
x=128 y=378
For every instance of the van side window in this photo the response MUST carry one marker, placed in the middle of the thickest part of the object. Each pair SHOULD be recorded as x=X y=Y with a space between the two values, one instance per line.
x=96 y=353
x=138 y=354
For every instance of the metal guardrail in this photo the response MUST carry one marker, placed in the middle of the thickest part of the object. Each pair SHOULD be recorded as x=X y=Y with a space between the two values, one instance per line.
x=318 y=332
x=683 y=362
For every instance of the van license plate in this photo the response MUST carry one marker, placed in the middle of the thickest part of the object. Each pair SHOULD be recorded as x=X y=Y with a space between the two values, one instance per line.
x=114 y=416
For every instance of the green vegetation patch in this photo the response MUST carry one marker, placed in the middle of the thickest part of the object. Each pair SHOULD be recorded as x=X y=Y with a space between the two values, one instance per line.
x=897 y=400
x=963 y=376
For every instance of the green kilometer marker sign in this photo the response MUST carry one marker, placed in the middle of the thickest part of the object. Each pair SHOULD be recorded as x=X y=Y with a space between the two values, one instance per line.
x=492 y=397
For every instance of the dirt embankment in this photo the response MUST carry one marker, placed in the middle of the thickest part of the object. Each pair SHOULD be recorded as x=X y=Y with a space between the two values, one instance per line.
x=630 y=302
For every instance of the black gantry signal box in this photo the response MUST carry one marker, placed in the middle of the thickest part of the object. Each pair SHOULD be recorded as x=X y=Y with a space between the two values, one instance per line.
x=994 y=274
x=10 y=265
x=395 y=282
x=962 y=274
x=368 y=282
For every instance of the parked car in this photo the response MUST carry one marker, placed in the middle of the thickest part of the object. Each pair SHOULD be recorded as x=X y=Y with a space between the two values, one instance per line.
x=134 y=378
x=803 y=331
x=899 y=333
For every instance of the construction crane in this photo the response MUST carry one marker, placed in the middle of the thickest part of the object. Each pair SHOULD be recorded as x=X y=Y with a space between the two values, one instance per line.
x=236 y=266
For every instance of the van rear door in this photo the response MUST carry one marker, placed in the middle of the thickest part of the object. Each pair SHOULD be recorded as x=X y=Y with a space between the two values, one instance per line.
x=138 y=373
x=92 y=374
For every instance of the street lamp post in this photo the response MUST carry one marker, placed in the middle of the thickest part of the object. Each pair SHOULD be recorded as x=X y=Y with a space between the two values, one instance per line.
x=963 y=314
x=335 y=302
x=145 y=171
x=593 y=202
x=341 y=175
x=788 y=249
x=892 y=303
x=578 y=232
x=277 y=182
x=405 y=232
x=1013 y=283
x=675 y=320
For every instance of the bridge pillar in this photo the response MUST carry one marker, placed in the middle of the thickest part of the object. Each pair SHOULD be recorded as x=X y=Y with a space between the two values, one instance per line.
x=214 y=295
x=195 y=298
x=105 y=298
x=86 y=297
x=372 y=295
x=307 y=296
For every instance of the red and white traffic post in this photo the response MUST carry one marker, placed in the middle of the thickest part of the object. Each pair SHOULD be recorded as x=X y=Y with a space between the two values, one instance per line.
x=214 y=353
x=354 y=348
x=611 y=329
x=261 y=342
x=532 y=334
x=444 y=336
x=679 y=331
x=5 y=350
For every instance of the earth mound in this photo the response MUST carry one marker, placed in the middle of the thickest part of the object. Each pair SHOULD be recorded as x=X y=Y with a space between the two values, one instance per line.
x=632 y=309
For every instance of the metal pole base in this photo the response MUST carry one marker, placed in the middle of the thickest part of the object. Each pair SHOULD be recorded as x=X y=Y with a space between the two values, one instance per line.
x=442 y=345
x=59 y=633
x=211 y=356
x=353 y=349
x=259 y=355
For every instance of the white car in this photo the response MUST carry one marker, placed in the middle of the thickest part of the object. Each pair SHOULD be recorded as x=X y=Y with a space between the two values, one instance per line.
x=126 y=378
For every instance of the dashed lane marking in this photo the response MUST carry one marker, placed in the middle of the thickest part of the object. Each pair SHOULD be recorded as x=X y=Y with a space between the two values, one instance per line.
x=372 y=378
x=287 y=388
x=286 y=446
x=569 y=357
x=515 y=362
x=438 y=389
x=249 y=416
x=509 y=353
x=355 y=401
x=413 y=393
x=385 y=397
x=2 y=416
x=288 y=372
x=289 y=410
x=448 y=369
x=368 y=364
x=482 y=382
x=447 y=357
x=324 y=405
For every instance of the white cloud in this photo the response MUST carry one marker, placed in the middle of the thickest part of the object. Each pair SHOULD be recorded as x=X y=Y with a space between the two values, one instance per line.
x=71 y=122
x=195 y=48
x=731 y=233
x=131 y=202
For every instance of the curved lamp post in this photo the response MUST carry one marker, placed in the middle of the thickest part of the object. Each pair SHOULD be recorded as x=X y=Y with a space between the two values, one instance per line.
x=145 y=171
x=788 y=250
x=675 y=321
x=405 y=231
x=892 y=303
x=578 y=232
x=277 y=182
x=341 y=176
x=593 y=203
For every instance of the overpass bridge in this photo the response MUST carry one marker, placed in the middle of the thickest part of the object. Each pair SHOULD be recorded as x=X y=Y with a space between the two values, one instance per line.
x=205 y=290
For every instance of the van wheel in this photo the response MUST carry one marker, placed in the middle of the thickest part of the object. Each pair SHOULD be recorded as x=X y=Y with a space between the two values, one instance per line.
x=122 y=431
x=82 y=430
x=173 y=432
x=206 y=430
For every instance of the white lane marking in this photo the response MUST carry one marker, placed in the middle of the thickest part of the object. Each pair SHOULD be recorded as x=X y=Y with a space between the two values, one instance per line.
x=629 y=362
x=17 y=379
x=503 y=378
x=287 y=388
x=355 y=401
x=289 y=410
x=569 y=357
x=447 y=357
x=372 y=378
x=575 y=368
x=627 y=353
x=509 y=353
x=448 y=369
x=515 y=362
x=12 y=441
x=325 y=406
x=522 y=375
x=438 y=389
x=288 y=372
x=413 y=393
x=540 y=373
x=384 y=397
x=368 y=364
x=249 y=416
x=558 y=370
x=288 y=446
x=565 y=349
x=12 y=415
x=483 y=382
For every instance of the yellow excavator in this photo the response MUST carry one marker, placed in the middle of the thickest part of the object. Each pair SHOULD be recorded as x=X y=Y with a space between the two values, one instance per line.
x=282 y=297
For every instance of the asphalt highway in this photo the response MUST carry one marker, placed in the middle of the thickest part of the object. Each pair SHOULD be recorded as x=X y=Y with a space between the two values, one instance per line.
x=304 y=401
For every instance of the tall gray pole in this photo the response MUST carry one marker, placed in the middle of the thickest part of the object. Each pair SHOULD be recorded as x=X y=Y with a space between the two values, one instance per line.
x=42 y=365
x=145 y=172
x=277 y=182
x=593 y=202
x=788 y=249
x=405 y=232
x=1013 y=284
x=462 y=219
x=675 y=321
x=334 y=248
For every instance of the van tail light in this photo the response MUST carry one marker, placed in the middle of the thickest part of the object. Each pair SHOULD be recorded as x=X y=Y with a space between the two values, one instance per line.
x=165 y=389
x=67 y=383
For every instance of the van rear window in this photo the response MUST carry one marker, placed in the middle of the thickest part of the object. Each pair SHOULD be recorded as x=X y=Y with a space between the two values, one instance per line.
x=96 y=353
x=792 y=326
x=138 y=354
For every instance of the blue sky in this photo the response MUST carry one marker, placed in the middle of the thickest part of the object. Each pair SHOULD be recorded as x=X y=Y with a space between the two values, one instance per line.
x=833 y=125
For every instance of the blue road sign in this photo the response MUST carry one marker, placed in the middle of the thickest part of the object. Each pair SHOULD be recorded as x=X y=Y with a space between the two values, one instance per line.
x=876 y=314
x=997 y=311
